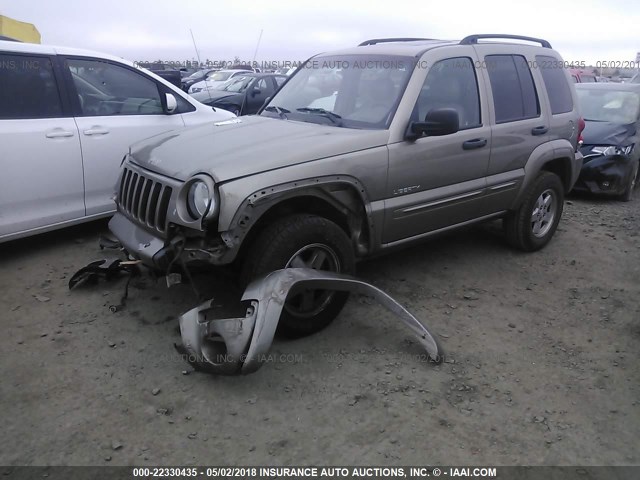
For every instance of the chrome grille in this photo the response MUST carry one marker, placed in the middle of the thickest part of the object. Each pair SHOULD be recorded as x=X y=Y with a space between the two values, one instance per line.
x=144 y=199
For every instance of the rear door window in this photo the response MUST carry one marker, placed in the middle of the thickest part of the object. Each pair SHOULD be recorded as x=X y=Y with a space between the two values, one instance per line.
x=556 y=83
x=28 y=88
x=514 y=92
x=265 y=85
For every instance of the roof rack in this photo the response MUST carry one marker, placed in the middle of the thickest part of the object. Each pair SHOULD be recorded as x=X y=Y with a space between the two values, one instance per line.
x=473 y=39
x=388 y=40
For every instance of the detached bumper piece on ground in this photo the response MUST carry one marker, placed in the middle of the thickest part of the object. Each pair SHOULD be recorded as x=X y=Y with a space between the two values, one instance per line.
x=238 y=346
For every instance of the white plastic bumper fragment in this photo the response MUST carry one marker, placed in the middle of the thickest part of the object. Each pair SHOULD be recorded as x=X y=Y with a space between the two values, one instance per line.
x=235 y=346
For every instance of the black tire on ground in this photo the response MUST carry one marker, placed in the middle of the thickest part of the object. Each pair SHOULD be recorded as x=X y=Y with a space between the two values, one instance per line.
x=631 y=185
x=312 y=240
x=531 y=226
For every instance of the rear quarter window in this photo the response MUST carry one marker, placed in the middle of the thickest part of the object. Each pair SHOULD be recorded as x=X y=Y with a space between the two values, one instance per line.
x=555 y=81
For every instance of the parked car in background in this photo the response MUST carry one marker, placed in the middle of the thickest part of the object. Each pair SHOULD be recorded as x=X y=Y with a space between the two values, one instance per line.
x=214 y=80
x=187 y=71
x=67 y=118
x=196 y=77
x=243 y=94
x=164 y=70
x=581 y=76
x=397 y=155
x=611 y=142
x=244 y=67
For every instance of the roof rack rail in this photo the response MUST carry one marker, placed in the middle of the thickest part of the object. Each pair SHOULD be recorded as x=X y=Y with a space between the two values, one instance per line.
x=473 y=39
x=388 y=40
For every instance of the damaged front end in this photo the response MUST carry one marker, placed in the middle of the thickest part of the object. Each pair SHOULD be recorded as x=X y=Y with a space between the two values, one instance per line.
x=238 y=346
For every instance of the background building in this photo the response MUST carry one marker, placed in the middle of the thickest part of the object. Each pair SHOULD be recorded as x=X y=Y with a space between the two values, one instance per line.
x=11 y=29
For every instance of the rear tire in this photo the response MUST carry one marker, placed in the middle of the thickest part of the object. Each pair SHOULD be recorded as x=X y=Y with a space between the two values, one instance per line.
x=303 y=241
x=631 y=185
x=531 y=226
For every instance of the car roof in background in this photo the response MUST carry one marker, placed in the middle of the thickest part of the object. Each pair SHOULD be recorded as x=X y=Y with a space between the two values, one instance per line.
x=620 y=87
x=261 y=74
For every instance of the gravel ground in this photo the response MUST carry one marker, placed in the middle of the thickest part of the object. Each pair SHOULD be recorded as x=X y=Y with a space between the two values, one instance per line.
x=542 y=362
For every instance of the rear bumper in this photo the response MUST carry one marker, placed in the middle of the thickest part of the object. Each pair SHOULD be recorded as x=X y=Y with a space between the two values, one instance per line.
x=577 y=166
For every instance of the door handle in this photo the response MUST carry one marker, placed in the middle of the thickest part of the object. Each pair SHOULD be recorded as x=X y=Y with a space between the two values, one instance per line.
x=475 y=143
x=59 y=133
x=541 y=130
x=96 y=131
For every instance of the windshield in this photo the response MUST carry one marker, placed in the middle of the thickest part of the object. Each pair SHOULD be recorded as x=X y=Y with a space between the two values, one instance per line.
x=219 y=76
x=609 y=105
x=237 y=84
x=353 y=91
x=196 y=75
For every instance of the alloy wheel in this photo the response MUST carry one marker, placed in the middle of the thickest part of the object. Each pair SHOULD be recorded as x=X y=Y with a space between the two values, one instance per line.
x=317 y=256
x=544 y=212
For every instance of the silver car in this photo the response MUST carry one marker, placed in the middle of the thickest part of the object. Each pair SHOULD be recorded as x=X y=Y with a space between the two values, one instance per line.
x=360 y=151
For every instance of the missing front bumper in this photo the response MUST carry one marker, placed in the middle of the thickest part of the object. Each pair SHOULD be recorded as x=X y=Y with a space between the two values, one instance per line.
x=238 y=346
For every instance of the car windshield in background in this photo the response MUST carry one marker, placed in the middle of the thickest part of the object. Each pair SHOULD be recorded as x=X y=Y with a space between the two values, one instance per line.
x=237 y=84
x=609 y=105
x=219 y=76
x=196 y=75
x=346 y=91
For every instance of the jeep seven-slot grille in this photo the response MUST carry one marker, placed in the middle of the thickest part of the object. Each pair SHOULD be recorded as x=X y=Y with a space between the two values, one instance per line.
x=144 y=199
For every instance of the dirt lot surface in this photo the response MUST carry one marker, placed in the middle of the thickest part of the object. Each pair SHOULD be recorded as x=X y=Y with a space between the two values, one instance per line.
x=542 y=367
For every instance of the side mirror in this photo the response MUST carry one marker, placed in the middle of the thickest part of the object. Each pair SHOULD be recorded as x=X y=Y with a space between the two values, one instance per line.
x=172 y=103
x=256 y=91
x=437 y=122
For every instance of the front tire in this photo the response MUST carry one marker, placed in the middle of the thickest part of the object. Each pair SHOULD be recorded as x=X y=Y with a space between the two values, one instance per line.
x=631 y=185
x=531 y=226
x=303 y=241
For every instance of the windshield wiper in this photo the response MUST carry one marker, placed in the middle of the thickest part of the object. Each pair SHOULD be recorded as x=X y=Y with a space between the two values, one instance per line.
x=279 y=110
x=334 y=117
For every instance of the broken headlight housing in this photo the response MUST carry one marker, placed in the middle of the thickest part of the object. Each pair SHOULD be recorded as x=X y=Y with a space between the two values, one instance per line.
x=611 y=150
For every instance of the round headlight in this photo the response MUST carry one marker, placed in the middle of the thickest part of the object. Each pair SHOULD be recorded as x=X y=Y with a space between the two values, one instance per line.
x=199 y=199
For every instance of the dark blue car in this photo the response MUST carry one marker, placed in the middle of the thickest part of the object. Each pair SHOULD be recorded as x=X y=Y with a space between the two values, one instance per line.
x=611 y=145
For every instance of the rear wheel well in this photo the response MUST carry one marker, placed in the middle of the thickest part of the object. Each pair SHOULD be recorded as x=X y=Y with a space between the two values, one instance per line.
x=562 y=168
x=309 y=204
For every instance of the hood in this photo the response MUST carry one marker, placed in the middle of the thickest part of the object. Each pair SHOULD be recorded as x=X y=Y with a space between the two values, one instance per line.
x=246 y=146
x=607 y=133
